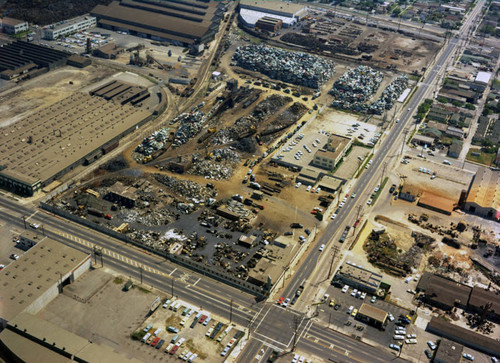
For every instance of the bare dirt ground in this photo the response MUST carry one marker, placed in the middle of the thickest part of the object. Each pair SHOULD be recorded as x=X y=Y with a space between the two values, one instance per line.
x=47 y=89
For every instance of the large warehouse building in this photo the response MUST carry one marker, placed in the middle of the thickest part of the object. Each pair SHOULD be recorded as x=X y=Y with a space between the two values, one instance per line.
x=483 y=198
x=47 y=144
x=26 y=60
x=181 y=22
x=289 y=13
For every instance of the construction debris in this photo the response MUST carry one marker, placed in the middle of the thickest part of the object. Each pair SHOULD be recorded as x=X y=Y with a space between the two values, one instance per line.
x=293 y=67
x=153 y=143
x=190 y=126
x=219 y=166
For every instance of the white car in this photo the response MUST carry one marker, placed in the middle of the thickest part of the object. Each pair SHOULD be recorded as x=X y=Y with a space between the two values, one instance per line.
x=298 y=184
x=349 y=311
x=411 y=336
x=390 y=316
x=309 y=188
x=354 y=292
x=411 y=341
x=333 y=216
x=363 y=296
x=345 y=288
x=395 y=347
x=341 y=204
x=286 y=302
x=35 y=225
x=431 y=345
x=353 y=195
x=468 y=356
x=321 y=248
x=369 y=201
x=398 y=337
x=344 y=200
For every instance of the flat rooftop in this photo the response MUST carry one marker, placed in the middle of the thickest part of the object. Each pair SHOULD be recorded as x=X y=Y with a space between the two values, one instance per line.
x=30 y=348
x=66 y=23
x=373 y=312
x=485 y=189
x=361 y=274
x=26 y=279
x=11 y=21
x=289 y=150
x=285 y=7
x=44 y=144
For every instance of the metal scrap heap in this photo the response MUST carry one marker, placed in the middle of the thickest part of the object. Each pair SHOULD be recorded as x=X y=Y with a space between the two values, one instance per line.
x=390 y=95
x=190 y=126
x=294 y=67
x=353 y=89
x=186 y=188
x=219 y=166
x=153 y=143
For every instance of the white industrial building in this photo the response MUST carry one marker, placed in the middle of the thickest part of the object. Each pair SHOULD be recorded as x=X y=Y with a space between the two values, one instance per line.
x=14 y=26
x=251 y=11
x=67 y=27
x=483 y=78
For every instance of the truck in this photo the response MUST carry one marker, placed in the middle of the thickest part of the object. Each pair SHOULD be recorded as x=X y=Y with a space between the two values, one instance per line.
x=299 y=290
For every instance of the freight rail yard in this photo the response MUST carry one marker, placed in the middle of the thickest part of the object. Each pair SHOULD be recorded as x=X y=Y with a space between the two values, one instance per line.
x=282 y=161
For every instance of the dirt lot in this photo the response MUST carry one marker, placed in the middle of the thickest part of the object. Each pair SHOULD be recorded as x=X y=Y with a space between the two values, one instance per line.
x=47 y=89
x=449 y=181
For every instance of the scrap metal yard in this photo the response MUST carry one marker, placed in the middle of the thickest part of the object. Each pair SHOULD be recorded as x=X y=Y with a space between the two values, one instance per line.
x=279 y=182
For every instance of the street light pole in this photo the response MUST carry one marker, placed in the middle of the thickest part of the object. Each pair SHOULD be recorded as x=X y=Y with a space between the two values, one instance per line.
x=231 y=312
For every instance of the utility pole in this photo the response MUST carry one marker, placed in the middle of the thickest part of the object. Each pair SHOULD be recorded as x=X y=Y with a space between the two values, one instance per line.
x=231 y=312
x=296 y=323
x=140 y=271
x=359 y=210
x=404 y=140
x=43 y=230
x=24 y=220
x=335 y=251
x=383 y=173
x=172 y=287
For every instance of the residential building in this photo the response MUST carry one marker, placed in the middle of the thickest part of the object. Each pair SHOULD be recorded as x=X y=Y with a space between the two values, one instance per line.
x=14 y=26
x=455 y=149
x=68 y=27
x=422 y=140
x=483 y=197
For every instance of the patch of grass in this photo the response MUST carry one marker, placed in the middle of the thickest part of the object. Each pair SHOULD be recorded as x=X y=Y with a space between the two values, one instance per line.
x=118 y=280
x=377 y=194
x=142 y=289
x=193 y=348
x=360 y=170
x=138 y=335
x=483 y=158
x=173 y=320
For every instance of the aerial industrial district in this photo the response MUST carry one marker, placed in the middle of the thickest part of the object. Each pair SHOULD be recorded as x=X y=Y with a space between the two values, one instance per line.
x=251 y=181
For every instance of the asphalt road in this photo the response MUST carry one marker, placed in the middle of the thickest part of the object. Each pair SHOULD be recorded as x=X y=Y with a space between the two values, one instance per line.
x=390 y=146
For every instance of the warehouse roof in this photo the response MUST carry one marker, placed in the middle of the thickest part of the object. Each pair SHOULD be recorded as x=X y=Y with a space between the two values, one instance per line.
x=480 y=297
x=464 y=336
x=485 y=189
x=47 y=142
x=442 y=290
x=34 y=339
x=373 y=312
x=26 y=279
x=182 y=23
x=12 y=21
x=448 y=351
x=483 y=77
x=252 y=16
x=280 y=6
x=436 y=202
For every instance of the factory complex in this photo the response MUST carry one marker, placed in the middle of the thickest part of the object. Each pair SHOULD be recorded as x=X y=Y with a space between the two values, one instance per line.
x=78 y=129
x=182 y=23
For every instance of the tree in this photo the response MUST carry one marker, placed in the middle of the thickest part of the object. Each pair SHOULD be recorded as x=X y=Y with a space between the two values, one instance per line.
x=470 y=106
